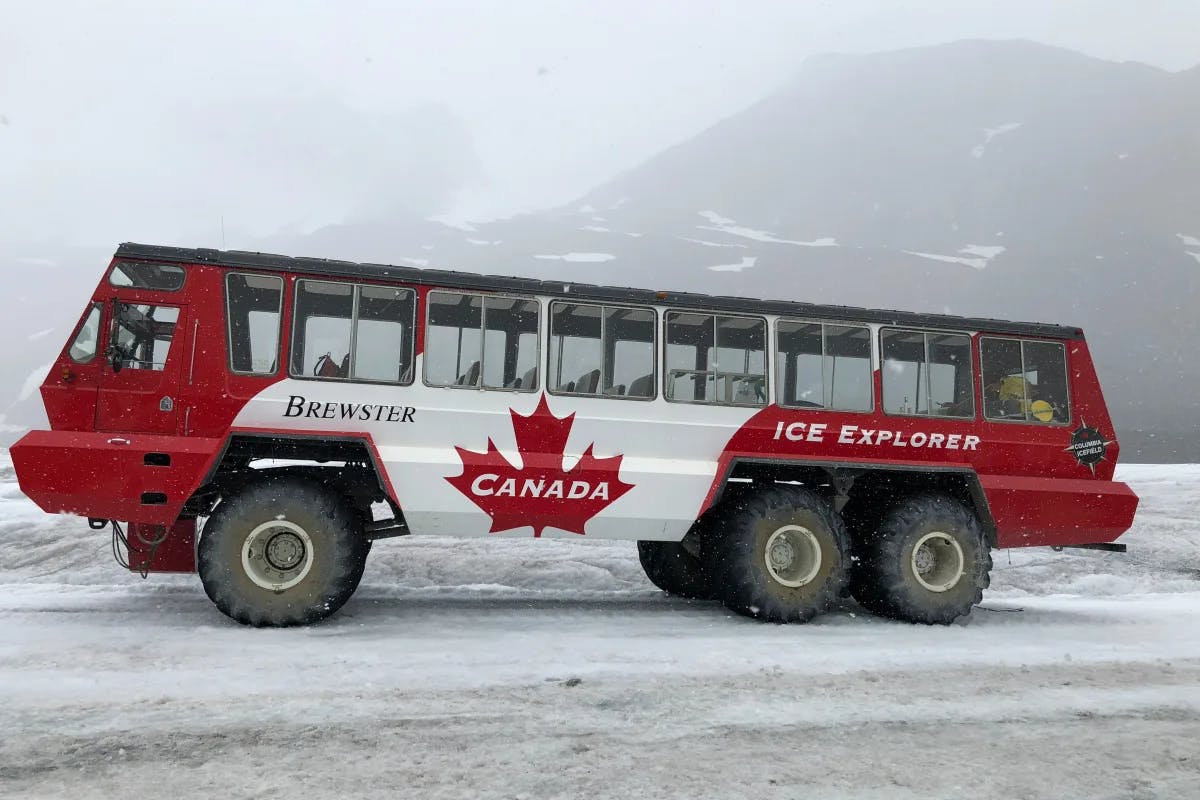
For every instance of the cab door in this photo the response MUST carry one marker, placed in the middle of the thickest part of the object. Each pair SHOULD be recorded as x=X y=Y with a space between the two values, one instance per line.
x=144 y=359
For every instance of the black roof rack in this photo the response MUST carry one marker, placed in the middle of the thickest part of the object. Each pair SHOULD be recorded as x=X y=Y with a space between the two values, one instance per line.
x=468 y=280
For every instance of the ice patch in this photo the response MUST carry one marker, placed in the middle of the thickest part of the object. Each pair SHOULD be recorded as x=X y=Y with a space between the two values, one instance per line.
x=484 y=241
x=746 y=263
x=596 y=228
x=581 y=258
x=991 y=133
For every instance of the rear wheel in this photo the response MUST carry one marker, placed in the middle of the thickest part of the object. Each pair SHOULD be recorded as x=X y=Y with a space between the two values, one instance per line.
x=675 y=570
x=280 y=553
x=780 y=556
x=927 y=563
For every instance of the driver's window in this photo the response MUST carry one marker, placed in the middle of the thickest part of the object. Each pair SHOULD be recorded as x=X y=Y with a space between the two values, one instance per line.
x=142 y=335
x=83 y=348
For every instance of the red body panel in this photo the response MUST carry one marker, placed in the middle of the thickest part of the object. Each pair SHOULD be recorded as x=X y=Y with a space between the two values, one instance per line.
x=175 y=553
x=105 y=475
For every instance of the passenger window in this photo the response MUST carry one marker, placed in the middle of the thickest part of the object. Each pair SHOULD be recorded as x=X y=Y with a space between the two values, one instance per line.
x=927 y=373
x=142 y=335
x=253 y=304
x=137 y=275
x=1024 y=380
x=715 y=359
x=601 y=350
x=321 y=342
x=481 y=341
x=83 y=348
x=824 y=366
x=383 y=334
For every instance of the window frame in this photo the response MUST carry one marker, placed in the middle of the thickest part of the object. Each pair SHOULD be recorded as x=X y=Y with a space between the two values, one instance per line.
x=354 y=294
x=92 y=306
x=229 y=324
x=875 y=401
x=537 y=362
x=119 y=262
x=975 y=401
x=768 y=367
x=1066 y=382
x=603 y=307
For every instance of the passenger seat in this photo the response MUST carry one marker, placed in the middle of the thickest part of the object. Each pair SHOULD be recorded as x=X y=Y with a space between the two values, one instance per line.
x=470 y=377
x=642 y=387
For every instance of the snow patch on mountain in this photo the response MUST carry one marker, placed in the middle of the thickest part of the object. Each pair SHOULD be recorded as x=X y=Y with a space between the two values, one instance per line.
x=581 y=258
x=991 y=133
x=745 y=263
x=596 y=229
x=728 y=226
x=707 y=243
x=32 y=381
x=976 y=256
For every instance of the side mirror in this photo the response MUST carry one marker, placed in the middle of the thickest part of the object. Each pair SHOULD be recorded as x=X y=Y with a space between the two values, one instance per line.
x=115 y=357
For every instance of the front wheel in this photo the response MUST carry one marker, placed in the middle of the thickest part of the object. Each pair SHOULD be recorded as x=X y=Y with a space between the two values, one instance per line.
x=280 y=553
x=780 y=555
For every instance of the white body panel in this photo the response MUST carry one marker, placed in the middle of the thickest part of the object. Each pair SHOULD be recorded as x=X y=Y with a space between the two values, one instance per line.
x=419 y=454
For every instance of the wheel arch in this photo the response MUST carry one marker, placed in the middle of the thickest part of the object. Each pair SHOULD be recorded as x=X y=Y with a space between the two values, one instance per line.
x=856 y=488
x=348 y=464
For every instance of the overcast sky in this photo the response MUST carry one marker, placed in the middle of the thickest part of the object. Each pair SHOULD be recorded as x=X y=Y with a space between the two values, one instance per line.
x=152 y=121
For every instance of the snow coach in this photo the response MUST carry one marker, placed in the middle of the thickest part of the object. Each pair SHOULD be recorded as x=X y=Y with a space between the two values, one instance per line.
x=262 y=420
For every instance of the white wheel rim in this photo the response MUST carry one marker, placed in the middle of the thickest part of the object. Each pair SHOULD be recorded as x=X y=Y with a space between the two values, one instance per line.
x=277 y=555
x=937 y=561
x=793 y=556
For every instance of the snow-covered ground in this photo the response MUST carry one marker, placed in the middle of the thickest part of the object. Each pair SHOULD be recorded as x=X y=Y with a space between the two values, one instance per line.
x=551 y=668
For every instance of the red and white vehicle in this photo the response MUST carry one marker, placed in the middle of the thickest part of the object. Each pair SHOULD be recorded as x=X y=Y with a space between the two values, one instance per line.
x=769 y=454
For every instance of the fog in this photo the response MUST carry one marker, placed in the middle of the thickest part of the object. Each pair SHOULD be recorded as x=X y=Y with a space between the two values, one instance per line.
x=204 y=123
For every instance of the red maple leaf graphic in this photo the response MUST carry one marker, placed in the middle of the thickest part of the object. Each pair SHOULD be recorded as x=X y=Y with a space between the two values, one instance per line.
x=539 y=494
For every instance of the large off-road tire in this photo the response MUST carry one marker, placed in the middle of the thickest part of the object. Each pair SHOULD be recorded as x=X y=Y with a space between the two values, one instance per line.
x=780 y=555
x=282 y=552
x=670 y=567
x=927 y=562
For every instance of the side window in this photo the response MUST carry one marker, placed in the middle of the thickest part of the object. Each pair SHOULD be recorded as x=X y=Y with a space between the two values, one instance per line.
x=139 y=275
x=357 y=332
x=83 y=348
x=824 y=366
x=481 y=341
x=253 y=305
x=1024 y=380
x=383 y=334
x=142 y=334
x=321 y=333
x=715 y=359
x=601 y=350
x=927 y=373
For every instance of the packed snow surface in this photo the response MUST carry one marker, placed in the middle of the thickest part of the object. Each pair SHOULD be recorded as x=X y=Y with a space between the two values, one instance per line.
x=552 y=668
